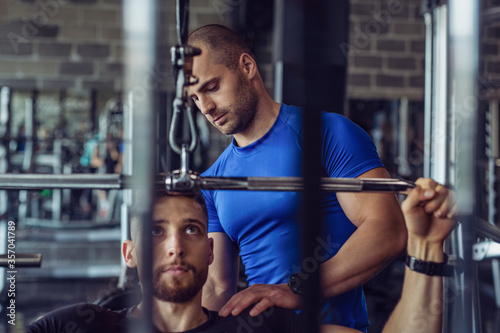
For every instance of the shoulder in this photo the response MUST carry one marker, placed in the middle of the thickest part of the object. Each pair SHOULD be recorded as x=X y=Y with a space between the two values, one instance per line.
x=330 y=121
x=83 y=317
x=291 y=116
x=219 y=163
x=337 y=121
x=337 y=126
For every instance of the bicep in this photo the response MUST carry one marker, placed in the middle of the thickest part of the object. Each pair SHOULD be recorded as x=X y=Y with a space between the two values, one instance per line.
x=222 y=273
x=360 y=206
x=222 y=277
x=225 y=265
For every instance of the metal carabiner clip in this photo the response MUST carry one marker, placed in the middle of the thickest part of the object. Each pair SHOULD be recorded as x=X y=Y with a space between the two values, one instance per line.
x=182 y=62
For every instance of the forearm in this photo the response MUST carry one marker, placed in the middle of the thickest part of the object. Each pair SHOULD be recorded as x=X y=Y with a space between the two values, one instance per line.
x=420 y=306
x=370 y=248
x=214 y=298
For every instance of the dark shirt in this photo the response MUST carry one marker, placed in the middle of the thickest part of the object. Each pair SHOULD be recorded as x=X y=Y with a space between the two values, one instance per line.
x=82 y=318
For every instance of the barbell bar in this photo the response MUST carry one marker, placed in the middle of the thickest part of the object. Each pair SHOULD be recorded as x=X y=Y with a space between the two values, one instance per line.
x=181 y=181
x=21 y=260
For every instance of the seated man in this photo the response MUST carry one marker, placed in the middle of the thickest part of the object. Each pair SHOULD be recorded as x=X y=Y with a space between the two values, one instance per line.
x=183 y=253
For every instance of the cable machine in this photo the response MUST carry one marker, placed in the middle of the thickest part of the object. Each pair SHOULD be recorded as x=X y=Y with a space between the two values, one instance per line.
x=445 y=162
x=450 y=146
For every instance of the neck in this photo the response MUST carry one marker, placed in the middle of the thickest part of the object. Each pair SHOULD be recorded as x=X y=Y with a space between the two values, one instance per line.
x=267 y=113
x=174 y=317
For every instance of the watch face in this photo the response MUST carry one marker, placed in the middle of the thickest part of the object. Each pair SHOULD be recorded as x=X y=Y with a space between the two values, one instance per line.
x=295 y=284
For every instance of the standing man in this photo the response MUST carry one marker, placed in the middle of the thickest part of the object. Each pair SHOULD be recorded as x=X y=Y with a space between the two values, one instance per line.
x=363 y=231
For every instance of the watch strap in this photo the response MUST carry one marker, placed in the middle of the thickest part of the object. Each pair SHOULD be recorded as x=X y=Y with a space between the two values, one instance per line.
x=429 y=267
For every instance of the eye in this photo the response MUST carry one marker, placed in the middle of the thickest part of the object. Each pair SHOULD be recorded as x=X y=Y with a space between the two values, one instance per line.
x=157 y=231
x=213 y=88
x=192 y=229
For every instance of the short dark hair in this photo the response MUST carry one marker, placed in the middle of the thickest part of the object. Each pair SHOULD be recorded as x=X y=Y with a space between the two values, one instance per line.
x=195 y=195
x=225 y=45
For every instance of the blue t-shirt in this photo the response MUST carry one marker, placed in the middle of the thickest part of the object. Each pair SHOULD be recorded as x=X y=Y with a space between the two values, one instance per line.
x=265 y=224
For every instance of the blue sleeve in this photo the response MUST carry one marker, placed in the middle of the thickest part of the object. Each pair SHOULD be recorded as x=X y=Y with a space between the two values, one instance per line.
x=348 y=151
x=213 y=218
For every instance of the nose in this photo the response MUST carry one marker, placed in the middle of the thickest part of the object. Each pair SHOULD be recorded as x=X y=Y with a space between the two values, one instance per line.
x=206 y=105
x=174 y=246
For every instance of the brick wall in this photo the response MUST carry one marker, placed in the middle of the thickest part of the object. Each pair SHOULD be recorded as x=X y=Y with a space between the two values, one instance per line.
x=386 y=50
x=489 y=70
x=56 y=44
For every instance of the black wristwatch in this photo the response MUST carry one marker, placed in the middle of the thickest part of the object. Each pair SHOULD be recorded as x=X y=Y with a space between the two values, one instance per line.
x=296 y=284
x=429 y=267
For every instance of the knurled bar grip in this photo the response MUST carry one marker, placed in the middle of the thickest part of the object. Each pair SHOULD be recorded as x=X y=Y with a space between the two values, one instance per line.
x=295 y=184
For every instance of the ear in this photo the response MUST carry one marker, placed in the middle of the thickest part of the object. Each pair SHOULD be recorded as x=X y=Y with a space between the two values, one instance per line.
x=211 y=253
x=248 y=65
x=128 y=252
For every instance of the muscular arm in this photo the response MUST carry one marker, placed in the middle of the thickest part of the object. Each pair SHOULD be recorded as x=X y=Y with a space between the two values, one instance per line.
x=379 y=238
x=429 y=211
x=222 y=273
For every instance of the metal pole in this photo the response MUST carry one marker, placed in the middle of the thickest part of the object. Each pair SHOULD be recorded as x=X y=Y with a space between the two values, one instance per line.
x=5 y=121
x=126 y=171
x=463 y=68
x=140 y=25
x=28 y=153
x=403 y=165
x=486 y=229
x=451 y=120
x=429 y=47
x=440 y=133
x=279 y=27
x=492 y=154
x=314 y=61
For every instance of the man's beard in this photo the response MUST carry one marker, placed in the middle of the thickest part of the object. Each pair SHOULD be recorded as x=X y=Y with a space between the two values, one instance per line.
x=173 y=291
x=244 y=112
